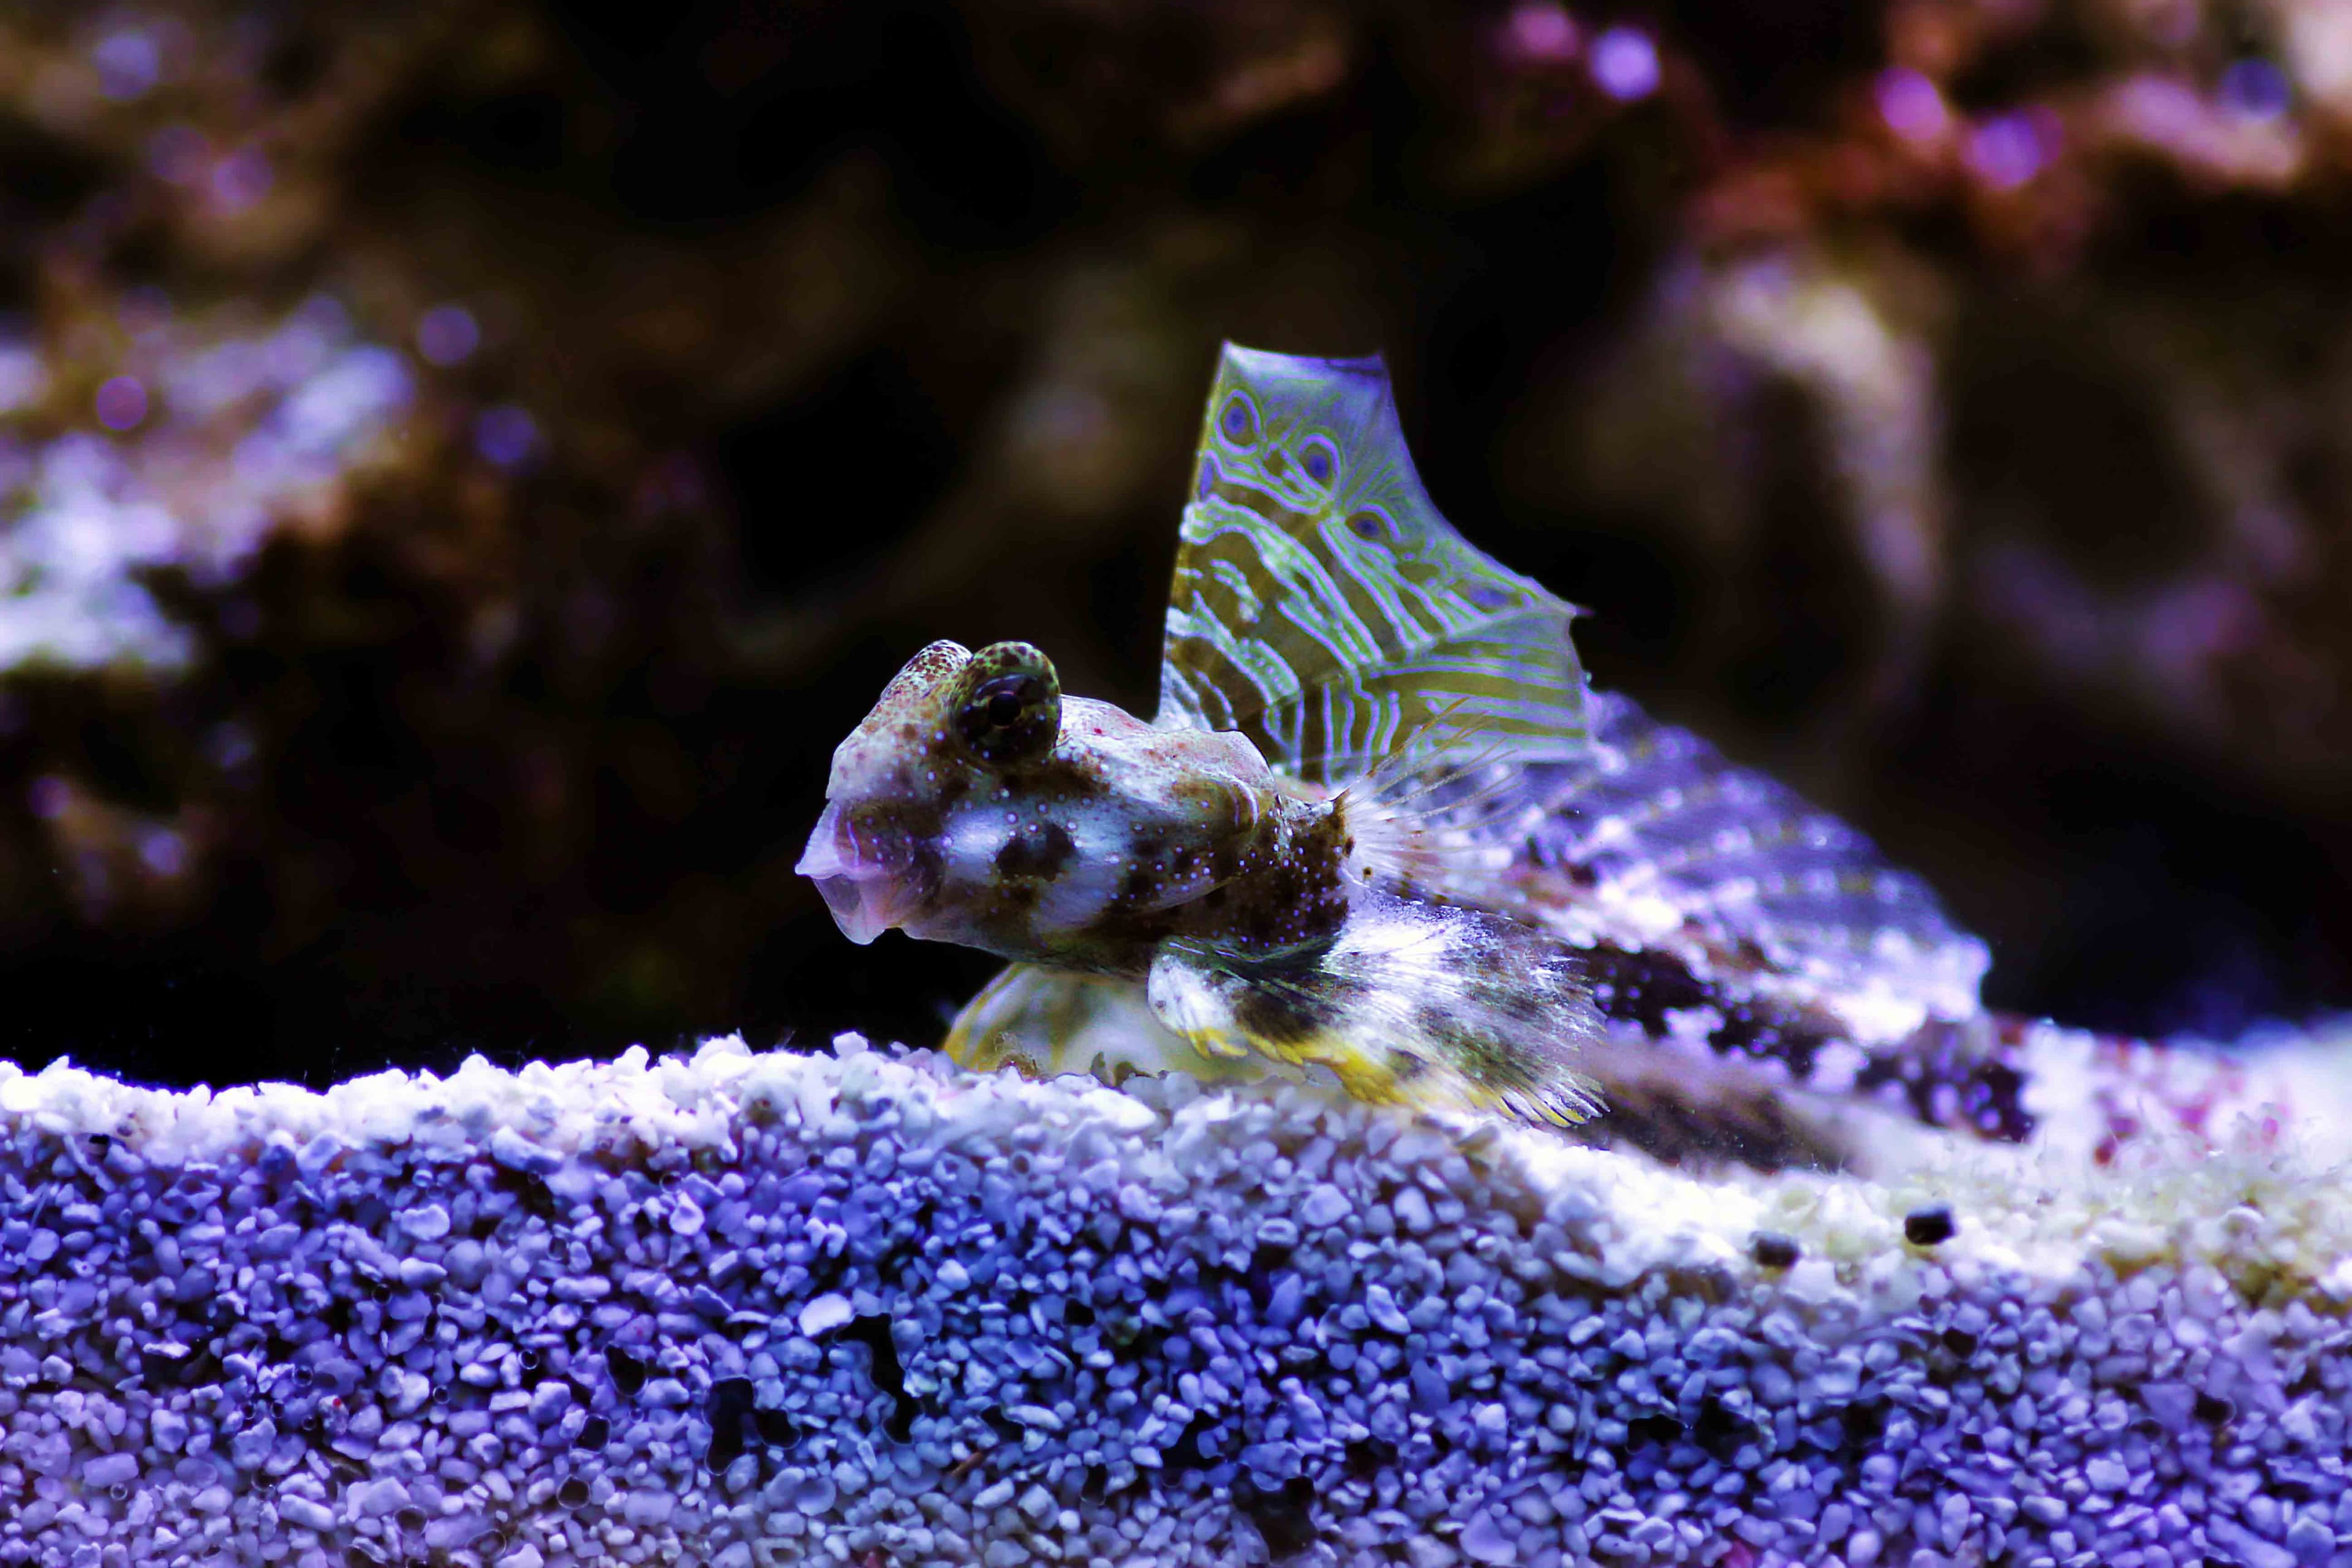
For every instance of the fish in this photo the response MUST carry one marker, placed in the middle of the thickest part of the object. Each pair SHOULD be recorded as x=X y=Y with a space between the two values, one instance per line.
x=1281 y=867
x=1382 y=830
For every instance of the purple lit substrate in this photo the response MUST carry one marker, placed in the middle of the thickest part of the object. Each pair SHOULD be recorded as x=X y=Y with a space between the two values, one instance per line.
x=859 y=1308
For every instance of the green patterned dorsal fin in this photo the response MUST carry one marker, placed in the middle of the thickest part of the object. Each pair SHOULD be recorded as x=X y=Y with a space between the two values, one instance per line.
x=1325 y=609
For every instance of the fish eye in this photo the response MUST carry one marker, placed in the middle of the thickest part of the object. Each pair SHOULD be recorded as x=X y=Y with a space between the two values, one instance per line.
x=1371 y=525
x=1239 y=420
x=1012 y=708
x=1320 y=459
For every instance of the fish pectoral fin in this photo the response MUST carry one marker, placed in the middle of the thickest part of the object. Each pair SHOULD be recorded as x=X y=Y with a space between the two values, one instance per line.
x=1044 y=1023
x=1410 y=1004
x=1020 y=1019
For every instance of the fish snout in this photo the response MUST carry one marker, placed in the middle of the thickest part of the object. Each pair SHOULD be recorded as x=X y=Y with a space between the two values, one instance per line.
x=865 y=869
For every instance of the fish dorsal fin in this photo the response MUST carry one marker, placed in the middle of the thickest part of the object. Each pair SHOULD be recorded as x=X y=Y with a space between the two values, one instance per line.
x=1325 y=609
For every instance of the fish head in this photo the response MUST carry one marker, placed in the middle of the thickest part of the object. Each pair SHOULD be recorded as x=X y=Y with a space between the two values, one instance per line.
x=978 y=805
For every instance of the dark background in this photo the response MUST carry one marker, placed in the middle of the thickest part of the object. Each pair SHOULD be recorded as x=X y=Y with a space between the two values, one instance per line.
x=1946 y=407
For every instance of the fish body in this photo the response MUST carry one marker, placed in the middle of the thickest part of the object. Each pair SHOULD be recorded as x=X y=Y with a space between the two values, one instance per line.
x=976 y=804
x=1380 y=826
x=1277 y=865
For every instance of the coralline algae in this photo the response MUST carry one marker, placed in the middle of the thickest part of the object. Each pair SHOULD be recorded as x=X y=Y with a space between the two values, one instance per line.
x=751 y=1309
x=251 y=430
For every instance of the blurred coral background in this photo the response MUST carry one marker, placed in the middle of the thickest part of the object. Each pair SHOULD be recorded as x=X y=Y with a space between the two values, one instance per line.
x=462 y=467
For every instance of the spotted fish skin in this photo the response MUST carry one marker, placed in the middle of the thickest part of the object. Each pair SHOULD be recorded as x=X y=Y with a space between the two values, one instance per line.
x=1085 y=852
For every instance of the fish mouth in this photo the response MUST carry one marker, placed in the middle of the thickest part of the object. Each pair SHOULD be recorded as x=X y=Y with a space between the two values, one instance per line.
x=865 y=885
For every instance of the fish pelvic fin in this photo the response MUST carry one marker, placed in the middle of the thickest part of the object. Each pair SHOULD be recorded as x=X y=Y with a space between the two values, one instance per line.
x=1044 y=1023
x=1411 y=1003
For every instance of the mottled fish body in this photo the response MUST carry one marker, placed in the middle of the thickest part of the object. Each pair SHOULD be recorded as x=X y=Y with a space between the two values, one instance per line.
x=976 y=804
x=1380 y=827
